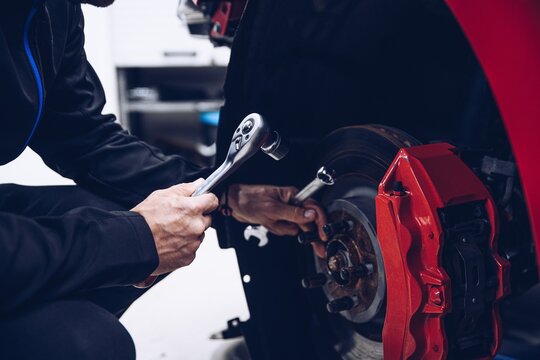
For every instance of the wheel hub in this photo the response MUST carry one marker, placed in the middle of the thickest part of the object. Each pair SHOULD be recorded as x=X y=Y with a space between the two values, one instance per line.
x=353 y=262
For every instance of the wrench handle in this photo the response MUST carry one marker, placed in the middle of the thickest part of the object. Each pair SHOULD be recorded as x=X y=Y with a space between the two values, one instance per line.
x=307 y=192
x=215 y=178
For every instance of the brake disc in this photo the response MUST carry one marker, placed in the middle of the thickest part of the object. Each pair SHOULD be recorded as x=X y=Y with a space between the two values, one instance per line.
x=356 y=290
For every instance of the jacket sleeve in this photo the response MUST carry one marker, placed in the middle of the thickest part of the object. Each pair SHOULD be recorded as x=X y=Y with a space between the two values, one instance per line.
x=75 y=139
x=50 y=257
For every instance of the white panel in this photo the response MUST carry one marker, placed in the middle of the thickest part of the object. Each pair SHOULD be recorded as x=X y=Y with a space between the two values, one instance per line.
x=149 y=33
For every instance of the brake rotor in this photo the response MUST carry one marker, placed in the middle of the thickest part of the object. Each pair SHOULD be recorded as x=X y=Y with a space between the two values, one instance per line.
x=354 y=261
x=356 y=290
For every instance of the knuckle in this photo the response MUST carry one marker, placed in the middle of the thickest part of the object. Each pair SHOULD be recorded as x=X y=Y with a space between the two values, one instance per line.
x=199 y=227
x=191 y=258
x=214 y=201
x=291 y=189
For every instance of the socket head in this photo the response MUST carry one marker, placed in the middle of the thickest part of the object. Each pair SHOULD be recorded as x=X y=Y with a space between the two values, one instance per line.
x=326 y=175
x=275 y=147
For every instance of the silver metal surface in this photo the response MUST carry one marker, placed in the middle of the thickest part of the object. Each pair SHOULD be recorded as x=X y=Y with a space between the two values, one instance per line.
x=325 y=176
x=277 y=148
x=258 y=232
x=251 y=135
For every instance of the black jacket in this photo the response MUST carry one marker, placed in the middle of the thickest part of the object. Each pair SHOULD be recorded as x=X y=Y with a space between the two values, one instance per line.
x=51 y=100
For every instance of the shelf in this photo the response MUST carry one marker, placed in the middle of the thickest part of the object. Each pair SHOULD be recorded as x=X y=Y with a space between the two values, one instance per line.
x=173 y=107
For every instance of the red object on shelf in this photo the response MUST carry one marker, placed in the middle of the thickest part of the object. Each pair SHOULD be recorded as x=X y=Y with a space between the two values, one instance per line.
x=411 y=235
x=505 y=36
x=226 y=12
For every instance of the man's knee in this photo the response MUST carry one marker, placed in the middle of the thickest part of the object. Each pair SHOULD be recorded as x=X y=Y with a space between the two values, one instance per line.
x=65 y=330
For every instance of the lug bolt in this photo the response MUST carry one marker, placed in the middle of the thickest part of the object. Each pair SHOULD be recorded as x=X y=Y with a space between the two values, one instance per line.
x=345 y=274
x=361 y=271
x=342 y=304
x=436 y=296
x=338 y=227
x=336 y=262
x=314 y=281
x=308 y=237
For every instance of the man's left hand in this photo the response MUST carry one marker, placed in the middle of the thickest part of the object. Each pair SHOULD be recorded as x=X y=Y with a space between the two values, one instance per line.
x=269 y=206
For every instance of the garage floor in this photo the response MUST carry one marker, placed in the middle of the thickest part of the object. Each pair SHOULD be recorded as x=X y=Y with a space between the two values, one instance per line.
x=175 y=319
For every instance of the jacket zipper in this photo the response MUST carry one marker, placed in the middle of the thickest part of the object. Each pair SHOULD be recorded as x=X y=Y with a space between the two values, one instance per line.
x=33 y=64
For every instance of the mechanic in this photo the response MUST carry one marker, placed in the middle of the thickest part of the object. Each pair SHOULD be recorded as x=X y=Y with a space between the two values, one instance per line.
x=69 y=255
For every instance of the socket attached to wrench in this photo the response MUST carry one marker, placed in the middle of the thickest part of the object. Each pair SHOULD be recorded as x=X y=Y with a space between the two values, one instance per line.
x=325 y=177
x=252 y=134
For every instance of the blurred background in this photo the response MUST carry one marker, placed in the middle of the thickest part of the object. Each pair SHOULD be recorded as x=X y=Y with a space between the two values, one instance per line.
x=166 y=87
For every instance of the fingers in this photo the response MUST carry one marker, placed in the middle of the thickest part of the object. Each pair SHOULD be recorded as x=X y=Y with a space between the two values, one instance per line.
x=286 y=193
x=205 y=203
x=320 y=219
x=283 y=228
x=292 y=213
x=187 y=189
x=319 y=249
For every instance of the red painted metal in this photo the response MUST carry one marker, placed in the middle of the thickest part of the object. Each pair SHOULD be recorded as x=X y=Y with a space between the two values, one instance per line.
x=226 y=12
x=505 y=35
x=411 y=238
x=220 y=19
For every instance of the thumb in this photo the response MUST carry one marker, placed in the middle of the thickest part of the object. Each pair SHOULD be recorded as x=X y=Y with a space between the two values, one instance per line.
x=294 y=214
x=187 y=189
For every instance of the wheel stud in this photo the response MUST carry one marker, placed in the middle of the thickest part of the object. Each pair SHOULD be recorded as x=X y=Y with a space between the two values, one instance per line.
x=314 y=281
x=360 y=271
x=308 y=237
x=338 y=227
x=342 y=304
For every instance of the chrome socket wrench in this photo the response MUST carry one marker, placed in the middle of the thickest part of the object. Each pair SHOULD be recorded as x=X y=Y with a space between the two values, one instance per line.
x=252 y=134
x=325 y=177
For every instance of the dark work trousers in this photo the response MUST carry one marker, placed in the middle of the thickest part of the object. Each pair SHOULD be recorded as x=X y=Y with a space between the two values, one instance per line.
x=83 y=326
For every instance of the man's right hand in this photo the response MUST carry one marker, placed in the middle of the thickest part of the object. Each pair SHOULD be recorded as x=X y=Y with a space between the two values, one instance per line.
x=178 y=222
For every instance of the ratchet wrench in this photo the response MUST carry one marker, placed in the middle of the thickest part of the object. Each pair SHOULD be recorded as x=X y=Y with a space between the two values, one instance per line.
x=325 y=177
x=252 y=134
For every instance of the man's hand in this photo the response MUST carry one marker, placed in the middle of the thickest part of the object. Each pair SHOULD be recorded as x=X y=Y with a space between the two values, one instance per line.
x=178 y=222
x=269 y=206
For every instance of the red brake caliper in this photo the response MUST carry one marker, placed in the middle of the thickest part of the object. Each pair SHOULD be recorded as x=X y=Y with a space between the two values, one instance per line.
x=437 y=227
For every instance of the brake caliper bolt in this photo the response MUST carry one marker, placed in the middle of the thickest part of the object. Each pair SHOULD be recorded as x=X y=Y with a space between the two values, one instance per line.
x=399 y=189
x=338 y=227
x=308 y=237
x=436 y=296
x=314 y=281
x=342 y=304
